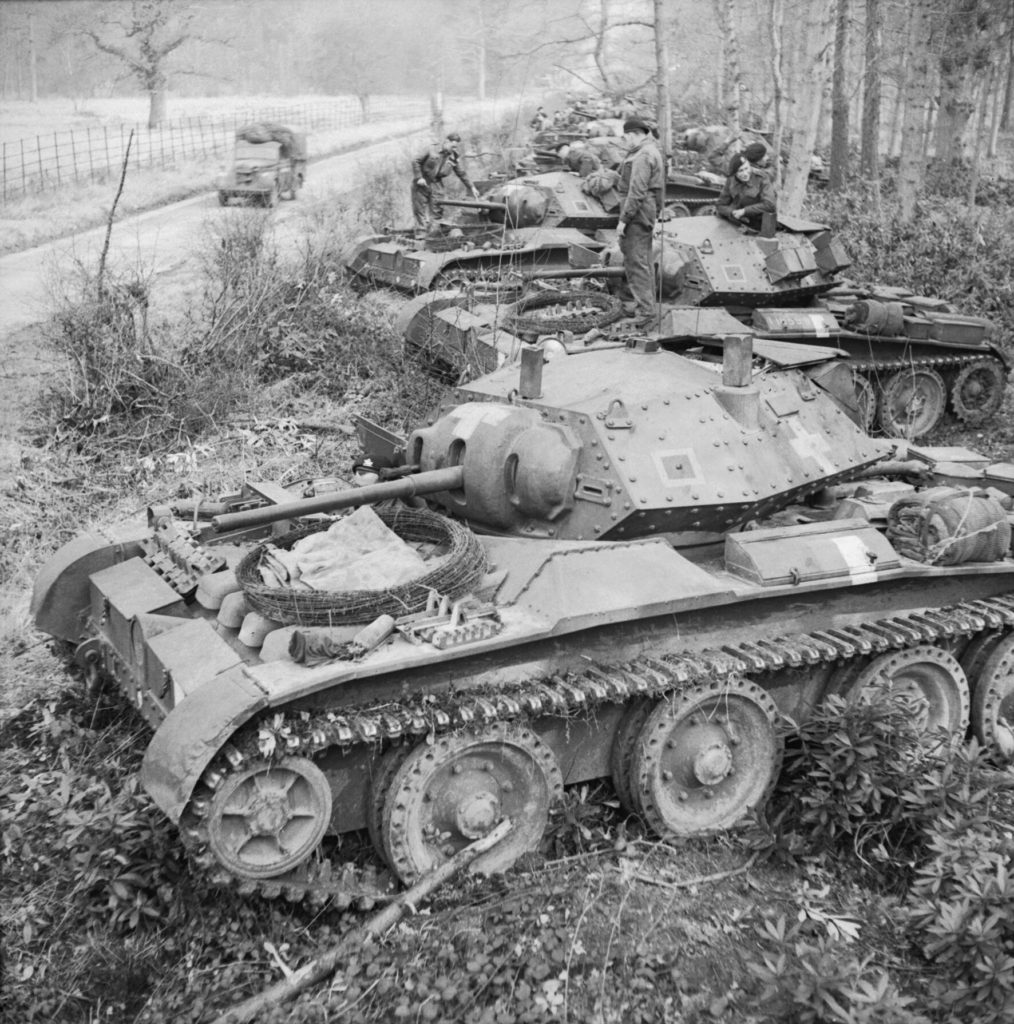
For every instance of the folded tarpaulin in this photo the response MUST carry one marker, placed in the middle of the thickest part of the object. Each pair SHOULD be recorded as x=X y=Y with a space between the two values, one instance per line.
x=949 y=528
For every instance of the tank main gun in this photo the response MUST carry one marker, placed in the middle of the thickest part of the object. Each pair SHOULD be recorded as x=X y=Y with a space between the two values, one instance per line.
x=405 y=487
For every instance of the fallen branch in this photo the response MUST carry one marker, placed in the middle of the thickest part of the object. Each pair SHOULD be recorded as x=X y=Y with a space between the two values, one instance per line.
x=688 y=883
x=325 y=965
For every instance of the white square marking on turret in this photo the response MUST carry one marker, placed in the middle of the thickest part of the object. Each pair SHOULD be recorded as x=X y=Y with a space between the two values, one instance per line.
x=678 y=467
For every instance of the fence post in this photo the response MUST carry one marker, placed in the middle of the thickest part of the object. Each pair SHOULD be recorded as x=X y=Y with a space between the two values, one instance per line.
x=91 y=161
x=24 y=169
x=73 y=154
x=38 y=151
x=138 y=129
x=56 y=157
x=105 y=137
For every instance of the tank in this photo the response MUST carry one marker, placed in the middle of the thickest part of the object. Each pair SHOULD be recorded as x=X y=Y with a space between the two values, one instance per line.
x=641 y=562
x=523 y=224
x=913 y=357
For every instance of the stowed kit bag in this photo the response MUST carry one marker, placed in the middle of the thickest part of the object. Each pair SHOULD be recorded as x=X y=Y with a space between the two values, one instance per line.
x=949 y=527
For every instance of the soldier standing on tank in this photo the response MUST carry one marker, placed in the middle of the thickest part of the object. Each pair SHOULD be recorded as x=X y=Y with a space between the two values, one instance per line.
x=642 y=180
x=428 y=173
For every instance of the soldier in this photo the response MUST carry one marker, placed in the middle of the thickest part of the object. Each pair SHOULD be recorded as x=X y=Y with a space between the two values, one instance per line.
x=748 y=194
x=578 y=158
x=642 y=180
x=429 y=171
x=716 y=143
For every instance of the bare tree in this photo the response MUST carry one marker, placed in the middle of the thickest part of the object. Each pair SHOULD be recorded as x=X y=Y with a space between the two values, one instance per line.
x=812 y=82
x=840 y=101
x=971 y=32
x=870 y=148
x=142 y=35
x=917 y=96
x=731 y=76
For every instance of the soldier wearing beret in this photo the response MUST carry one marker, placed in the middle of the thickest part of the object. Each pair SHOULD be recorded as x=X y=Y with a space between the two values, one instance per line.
x=641 y=186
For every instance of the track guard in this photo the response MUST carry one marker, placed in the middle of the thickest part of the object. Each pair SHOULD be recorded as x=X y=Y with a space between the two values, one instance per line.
x=193 y=733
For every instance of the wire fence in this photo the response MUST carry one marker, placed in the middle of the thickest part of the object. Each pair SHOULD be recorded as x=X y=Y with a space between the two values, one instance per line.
x=73 y=156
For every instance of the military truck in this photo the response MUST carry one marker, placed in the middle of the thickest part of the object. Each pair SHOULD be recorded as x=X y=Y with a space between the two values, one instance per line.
x=269 y=161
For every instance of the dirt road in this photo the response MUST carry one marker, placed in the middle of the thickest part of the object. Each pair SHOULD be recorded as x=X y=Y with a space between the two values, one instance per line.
x=160 y=244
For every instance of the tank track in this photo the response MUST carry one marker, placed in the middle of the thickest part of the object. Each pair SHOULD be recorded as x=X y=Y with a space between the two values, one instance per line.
x=953 y=362
x=305 y=734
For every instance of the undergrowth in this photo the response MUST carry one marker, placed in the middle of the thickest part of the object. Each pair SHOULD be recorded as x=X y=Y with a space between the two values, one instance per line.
x=879 y=891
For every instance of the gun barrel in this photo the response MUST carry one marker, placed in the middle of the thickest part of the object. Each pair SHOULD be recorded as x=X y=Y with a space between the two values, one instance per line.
x=474 y=204
x=429 y=482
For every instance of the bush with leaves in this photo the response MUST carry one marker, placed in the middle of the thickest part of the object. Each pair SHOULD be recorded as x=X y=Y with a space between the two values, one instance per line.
x=961 y=912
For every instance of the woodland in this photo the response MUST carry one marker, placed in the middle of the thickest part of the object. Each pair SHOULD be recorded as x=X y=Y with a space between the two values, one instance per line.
x=876 y=890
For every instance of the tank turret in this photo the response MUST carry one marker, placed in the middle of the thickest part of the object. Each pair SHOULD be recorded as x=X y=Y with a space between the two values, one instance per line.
x=632 y=443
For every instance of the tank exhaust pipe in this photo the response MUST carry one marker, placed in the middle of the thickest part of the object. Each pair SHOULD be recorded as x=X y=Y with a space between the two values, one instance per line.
x=531 y=371
x=737 y=360
x=737 y=395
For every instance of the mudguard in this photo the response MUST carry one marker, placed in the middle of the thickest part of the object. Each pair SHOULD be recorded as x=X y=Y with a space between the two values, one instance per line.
x=193 y=733
x=61 y=597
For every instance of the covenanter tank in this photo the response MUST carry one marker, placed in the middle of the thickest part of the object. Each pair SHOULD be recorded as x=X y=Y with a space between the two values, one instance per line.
x=631 y=563
x=522 y=224
x=912 y=355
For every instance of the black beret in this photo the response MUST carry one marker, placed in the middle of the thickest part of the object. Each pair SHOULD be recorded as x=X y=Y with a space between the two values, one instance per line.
x=755 y=152
x=635 y=124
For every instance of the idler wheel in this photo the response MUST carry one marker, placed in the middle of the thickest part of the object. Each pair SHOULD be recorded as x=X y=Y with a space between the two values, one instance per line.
x=705 y=758
x=447 y=794
x=267 y=818
x=993 y=700
x=977 y=391
x=930 y=676
x=912 y=402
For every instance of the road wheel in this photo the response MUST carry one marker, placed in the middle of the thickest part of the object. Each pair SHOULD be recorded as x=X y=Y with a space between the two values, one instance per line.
x=447 y=794
x=912 y=402
x=223 y=199
x=932 y=678
x=706 y=757
x=977 y=391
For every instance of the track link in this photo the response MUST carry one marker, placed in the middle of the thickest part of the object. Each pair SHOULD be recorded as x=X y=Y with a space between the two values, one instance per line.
x=277 y=734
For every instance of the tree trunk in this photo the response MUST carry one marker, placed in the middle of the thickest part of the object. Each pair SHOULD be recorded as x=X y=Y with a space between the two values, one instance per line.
x=480 y=56
x=33 y=70
x=980 y=121
x=813 y=86
x=1008 y=92
x=777 y=26
x=840 y=102
x=157 y=103
x=917 y=95
x=664 y=112
x=732 y=78
x=870 y=152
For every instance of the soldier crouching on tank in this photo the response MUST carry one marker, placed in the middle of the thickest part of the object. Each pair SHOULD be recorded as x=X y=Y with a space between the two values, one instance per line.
x=642 y=179
x=747 y=194
x=428 y=173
